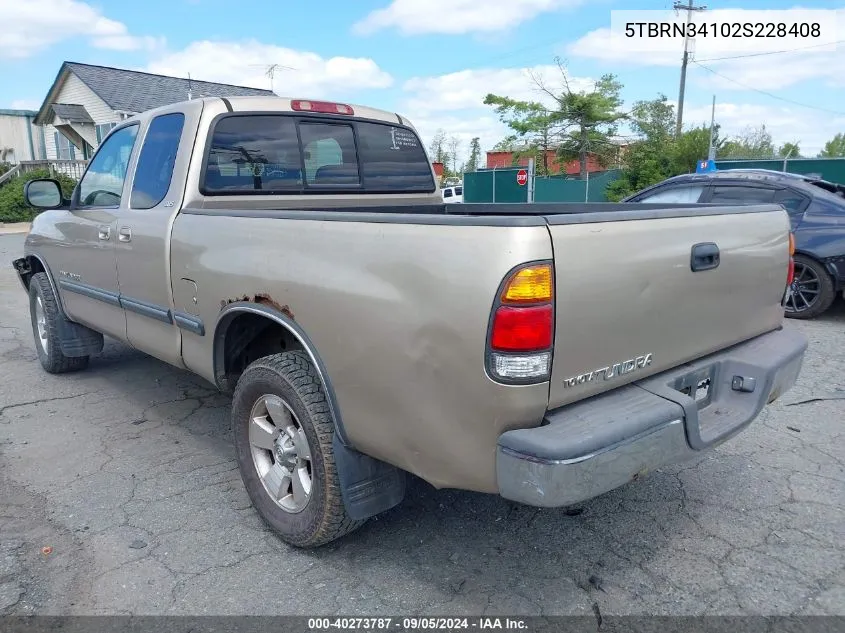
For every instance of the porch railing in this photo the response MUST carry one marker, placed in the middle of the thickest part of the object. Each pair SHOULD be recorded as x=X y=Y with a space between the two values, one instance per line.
x=72 y=168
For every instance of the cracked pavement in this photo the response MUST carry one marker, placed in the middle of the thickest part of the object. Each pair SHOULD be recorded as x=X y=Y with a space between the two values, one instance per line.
x=127 y=471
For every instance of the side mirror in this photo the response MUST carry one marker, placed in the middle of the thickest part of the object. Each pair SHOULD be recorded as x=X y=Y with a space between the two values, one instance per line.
x=43 y=193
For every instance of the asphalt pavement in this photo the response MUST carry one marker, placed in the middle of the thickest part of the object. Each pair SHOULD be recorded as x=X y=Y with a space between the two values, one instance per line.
x=119 y=494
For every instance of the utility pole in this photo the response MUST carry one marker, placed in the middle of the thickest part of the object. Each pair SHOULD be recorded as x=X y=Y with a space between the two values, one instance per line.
x=711 y=154
x=689 y=8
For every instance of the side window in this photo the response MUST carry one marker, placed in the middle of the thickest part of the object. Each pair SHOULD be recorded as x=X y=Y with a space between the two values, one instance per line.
x=682 y=194
x=447 y=193
x=792 y=201
x=155 y=164
x=740 y=194
x=102 y=184
x=329 y=154
x=253 y=153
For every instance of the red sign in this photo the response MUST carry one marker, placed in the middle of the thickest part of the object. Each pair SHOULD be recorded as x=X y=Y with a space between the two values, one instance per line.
x=522 y=177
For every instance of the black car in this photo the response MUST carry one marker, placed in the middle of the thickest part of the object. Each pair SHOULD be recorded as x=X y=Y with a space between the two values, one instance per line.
x=816 y=210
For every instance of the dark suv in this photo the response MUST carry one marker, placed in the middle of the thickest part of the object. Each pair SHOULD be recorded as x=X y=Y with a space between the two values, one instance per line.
x=816 y=210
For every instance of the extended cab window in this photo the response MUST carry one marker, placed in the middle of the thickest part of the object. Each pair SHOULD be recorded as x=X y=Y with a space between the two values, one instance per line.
x=285 y=154
x=102 y=184
x=155 y=164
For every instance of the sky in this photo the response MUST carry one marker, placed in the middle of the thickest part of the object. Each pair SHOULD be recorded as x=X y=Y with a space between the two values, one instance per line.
x=433 y=61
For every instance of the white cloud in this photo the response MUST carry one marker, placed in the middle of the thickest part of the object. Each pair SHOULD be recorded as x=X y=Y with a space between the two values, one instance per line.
x=25 y=104
x=32 y=25
x=413 y=17
x=747 y=66
x=785 y=123
x=466 y=89
x=455 y=102
x=299 y=73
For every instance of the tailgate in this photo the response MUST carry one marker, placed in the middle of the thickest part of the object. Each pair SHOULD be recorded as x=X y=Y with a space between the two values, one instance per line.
x=629 y=305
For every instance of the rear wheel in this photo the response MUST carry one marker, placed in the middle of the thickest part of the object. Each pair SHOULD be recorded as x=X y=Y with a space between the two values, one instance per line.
x=283 y=439
x=811 y=292
x=44 y=312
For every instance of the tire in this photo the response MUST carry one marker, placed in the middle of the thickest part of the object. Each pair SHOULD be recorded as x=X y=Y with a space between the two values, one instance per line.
x=278 y=401
x=812 y=290
x=45 y=316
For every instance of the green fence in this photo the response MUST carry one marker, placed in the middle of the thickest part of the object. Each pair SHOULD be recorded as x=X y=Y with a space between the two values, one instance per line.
x=560 y=189
x=494 y=185
x=500 y=185
x=832 y=169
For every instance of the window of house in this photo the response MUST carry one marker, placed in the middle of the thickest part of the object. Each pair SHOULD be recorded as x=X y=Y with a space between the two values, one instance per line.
x=103 y=130
x=102 y=184
x=65 y=150
x=156 y=161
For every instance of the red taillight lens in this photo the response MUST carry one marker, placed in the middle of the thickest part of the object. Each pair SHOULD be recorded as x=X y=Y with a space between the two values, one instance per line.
x=323 y=107
x=522 y=329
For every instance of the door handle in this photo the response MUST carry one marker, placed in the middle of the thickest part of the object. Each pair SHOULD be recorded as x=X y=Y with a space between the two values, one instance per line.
x=125 y=234
x=104 y=232
x=704 y=256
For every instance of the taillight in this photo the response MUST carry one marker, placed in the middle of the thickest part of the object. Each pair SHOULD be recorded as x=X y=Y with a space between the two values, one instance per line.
x=790 y=271
x=322 y=107
x=522 y=327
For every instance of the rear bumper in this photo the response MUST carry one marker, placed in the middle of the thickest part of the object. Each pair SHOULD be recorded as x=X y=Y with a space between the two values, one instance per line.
x=591 y=447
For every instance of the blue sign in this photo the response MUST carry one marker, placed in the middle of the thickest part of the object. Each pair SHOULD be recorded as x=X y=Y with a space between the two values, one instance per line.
x=705 y=166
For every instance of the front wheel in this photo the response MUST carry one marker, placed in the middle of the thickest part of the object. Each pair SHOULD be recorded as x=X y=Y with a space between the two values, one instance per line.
x=283 y=432
x=811 y=291
x=45 y=316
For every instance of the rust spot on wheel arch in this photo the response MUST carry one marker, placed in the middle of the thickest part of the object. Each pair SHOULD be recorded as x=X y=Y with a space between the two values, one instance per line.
x=262 y=299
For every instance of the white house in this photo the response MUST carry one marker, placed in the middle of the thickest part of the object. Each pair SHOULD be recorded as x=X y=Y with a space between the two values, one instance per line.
x=86 y=101
x=20 y=138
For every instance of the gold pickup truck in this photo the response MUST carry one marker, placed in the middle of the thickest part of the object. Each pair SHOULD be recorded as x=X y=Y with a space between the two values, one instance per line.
x=299 y=255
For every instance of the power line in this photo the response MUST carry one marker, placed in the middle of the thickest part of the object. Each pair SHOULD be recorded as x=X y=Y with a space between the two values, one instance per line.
x=789 y=50
x=768 y=94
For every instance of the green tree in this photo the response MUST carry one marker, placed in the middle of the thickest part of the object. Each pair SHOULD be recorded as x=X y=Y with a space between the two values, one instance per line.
x=691 y=147
x=789 y=150
x=532 y=123
x=587 y=118
x=750 y=143
x=474 y=155
x=647 y=160
x=834 y=148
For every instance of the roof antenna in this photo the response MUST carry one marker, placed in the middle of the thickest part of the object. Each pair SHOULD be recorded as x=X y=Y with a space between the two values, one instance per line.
x=189 y=86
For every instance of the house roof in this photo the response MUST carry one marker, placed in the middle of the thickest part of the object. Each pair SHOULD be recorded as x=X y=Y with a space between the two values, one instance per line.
x=134 y=91
x=72 y=112
x=8 y=112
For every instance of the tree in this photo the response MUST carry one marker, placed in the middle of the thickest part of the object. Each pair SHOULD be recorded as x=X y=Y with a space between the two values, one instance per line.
x=834 y=148
x=474 y=155
x=589 y=119
x=454 y=146
x=750 y=143
x=532 y=123
x=789 y=150
x=439 y=153
x=691 y=147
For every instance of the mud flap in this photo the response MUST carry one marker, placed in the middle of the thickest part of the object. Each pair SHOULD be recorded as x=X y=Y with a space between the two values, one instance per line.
x=78 y=340
x=368 y=486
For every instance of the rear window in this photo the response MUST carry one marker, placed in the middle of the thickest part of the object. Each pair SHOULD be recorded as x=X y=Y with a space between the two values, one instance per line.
x=285 y=154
